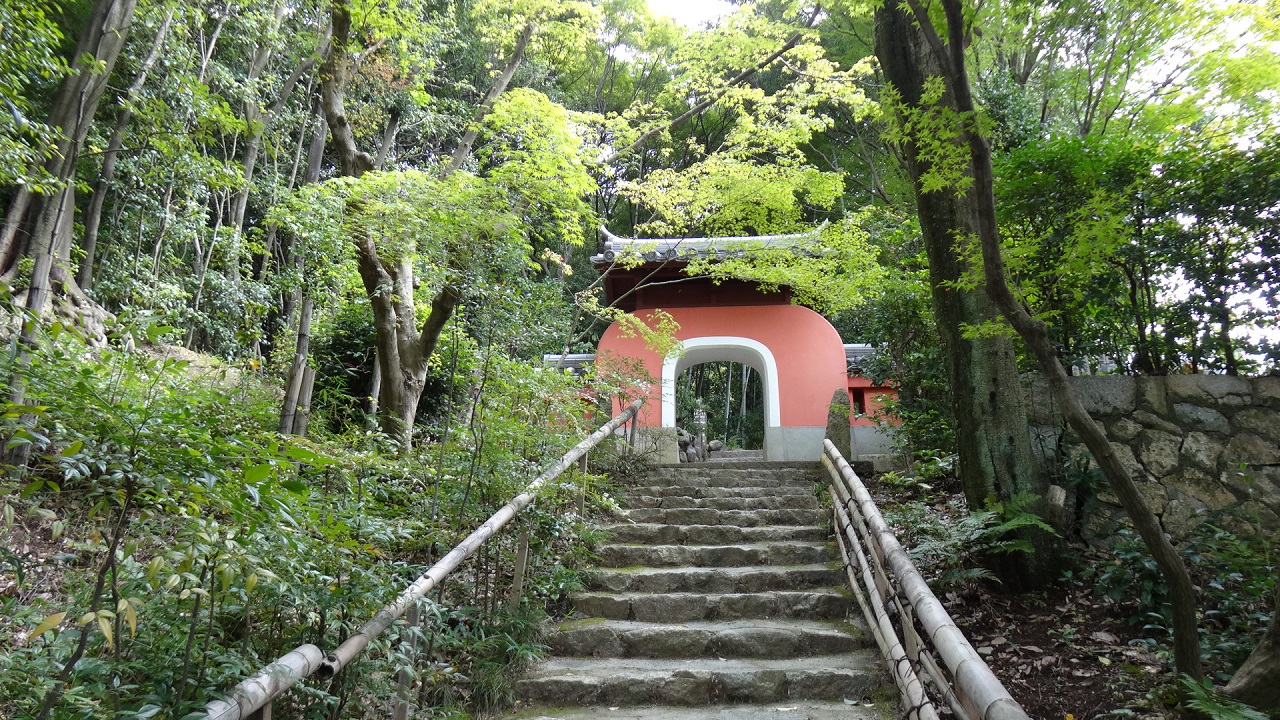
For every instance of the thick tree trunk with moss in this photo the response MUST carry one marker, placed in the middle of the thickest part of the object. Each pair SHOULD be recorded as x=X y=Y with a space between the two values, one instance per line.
x=993 y=438
x=991 y=418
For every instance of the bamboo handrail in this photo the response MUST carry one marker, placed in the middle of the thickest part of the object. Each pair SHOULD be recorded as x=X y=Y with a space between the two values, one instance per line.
x=257 y=691
x=859 y=522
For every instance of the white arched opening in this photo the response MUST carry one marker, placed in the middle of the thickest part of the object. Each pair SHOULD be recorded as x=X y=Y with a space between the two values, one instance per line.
x=722 y=348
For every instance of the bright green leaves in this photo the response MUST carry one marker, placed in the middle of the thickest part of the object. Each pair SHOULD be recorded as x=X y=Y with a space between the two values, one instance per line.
x=835 y=270
x=535 y=153
x=724 y=196
x=938 y=133
x=29 y=67
x=563 y=27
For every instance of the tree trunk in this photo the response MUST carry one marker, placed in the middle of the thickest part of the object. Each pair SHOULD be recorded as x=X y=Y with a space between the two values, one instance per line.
x=1257 y=682
x=93 y=216
x=302 y=418
x=403 y=346
x=991 y=417
x=298 y=369
x=74 y=104
x=948 y=60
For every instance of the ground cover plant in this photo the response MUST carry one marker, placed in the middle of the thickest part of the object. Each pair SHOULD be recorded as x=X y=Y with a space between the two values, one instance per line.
x=162 y=541
x=1097 y=642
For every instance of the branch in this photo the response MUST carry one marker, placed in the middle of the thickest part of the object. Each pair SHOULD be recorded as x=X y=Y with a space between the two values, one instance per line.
x=702 y=106
x=499 y=86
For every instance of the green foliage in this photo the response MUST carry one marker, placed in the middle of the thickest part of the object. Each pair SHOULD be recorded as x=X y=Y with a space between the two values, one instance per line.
x=950 y=551
x=1202 y=698
x=218 y=546
x=897 y=319
x=1236 y=575
x=30 y=67
x=1151 y=258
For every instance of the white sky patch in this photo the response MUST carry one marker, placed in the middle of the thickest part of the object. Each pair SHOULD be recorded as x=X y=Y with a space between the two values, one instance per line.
x=693 y=14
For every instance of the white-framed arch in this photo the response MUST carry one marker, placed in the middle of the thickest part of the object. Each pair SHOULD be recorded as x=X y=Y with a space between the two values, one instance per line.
x=717 y=348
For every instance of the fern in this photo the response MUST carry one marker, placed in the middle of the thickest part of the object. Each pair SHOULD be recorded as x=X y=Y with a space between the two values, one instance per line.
x=950 y=553
x=1202 y=698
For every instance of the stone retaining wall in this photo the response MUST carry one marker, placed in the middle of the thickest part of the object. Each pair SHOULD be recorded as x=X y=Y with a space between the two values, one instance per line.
x=1201 y=443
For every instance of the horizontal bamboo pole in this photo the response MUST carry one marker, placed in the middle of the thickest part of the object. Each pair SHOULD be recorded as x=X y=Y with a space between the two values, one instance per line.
x=909 y=685
x=263 y=686
x=973 y=678
x=267 y=684
x=352 y=646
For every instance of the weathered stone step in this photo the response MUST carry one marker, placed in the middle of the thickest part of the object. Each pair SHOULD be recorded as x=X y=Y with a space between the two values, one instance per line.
x=638 y=681
x=815 y=604
x=725 y=639
x=772 y=553
x=659 y=534
x=798 y=710
x=729 y=477
x=713 y=579
x=721 y=492
x=741 y=518
x=775 y=502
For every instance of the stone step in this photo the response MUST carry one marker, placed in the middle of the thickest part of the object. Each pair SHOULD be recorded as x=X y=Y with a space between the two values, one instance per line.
x=730 y=477
x=775 y=502
x=658 y=534
x=741 y=518
x=794 y=710
x=756 y=578
x=772 y=553
x=721 y=492
x=639 y=681
x=814 y=604
x=724 y=639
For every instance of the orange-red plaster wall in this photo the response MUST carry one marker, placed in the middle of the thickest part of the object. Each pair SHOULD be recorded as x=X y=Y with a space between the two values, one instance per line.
x=872 y=397
x=807 y=350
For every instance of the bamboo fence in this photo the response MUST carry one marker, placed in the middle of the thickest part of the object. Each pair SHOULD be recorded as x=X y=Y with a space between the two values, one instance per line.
x=252 y=698
x=909 y=624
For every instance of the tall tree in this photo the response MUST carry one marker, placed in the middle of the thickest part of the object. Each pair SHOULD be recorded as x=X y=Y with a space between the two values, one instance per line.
x=960 y=165
x=405 y=343
x=992 y=434
x=39 y=225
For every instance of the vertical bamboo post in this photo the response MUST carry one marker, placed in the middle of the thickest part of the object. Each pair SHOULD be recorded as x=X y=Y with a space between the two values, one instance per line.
x=517 y=581
x=262 y=713
x=404 y=678
x=582 y=486
x=302 y=414
x=298 y=367
x=631 y=440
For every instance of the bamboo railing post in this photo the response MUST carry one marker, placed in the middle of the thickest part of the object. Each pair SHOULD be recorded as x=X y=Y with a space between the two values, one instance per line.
x=976 y=688
x=582 y=486
x=517 y=580
x=404 y=678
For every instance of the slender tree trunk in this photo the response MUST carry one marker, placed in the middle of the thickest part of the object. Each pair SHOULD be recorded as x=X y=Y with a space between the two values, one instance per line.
x=74 y=104
x=93 y=215
x=298 y=368
x=302 y=418
x=463 y=150
x=948 y=58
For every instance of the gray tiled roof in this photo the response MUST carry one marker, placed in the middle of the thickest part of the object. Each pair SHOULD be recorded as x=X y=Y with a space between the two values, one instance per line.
x=679 y=249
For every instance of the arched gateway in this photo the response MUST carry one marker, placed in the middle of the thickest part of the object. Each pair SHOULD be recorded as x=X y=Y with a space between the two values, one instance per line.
x=797 y=353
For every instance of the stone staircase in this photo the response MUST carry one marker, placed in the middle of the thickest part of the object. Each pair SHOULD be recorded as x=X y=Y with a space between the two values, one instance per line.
x=720 y=598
